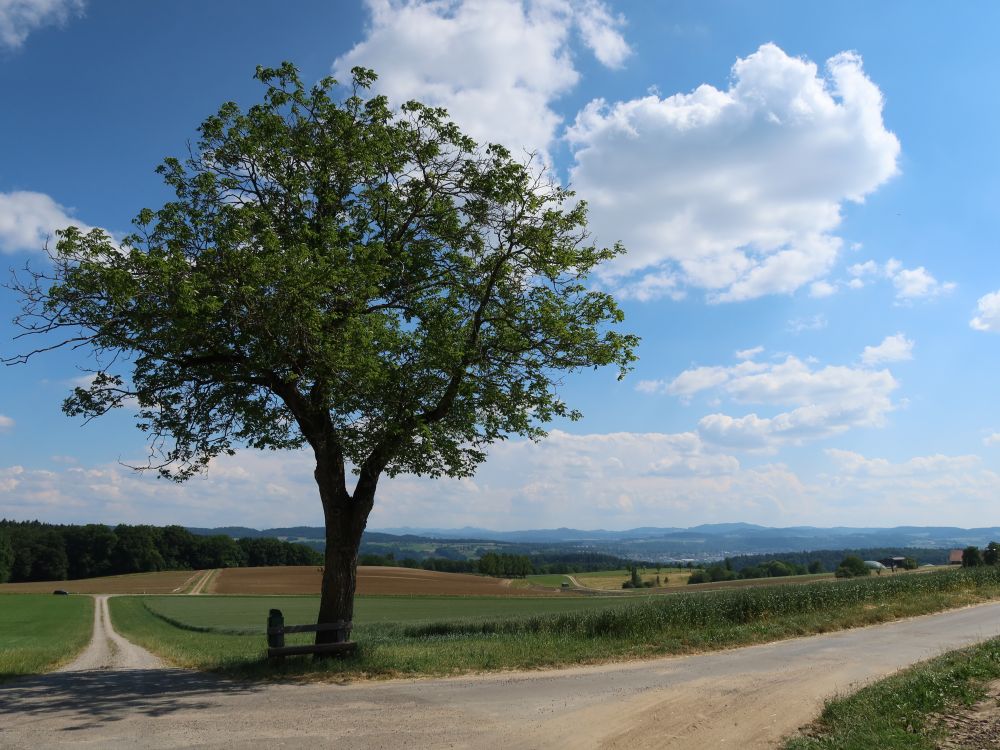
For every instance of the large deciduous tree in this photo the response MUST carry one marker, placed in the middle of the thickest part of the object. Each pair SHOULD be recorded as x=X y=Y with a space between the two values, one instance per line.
x=337 y=274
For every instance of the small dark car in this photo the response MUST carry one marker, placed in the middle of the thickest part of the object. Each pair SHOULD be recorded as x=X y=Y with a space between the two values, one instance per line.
x=60 y=592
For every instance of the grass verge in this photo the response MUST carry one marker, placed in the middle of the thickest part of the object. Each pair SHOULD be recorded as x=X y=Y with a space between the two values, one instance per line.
x=898 y=713
x=673 y=624
x=38 y=632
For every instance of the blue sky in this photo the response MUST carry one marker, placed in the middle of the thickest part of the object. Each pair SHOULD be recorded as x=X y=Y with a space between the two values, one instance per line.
x=807 y=193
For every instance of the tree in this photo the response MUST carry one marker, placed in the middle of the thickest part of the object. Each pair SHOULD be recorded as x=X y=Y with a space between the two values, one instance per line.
x=634 y=577
x=972 y=557
x=852 y=566
x=6 y=557
x=991 y=555
x=334 y=274
x=816 y=566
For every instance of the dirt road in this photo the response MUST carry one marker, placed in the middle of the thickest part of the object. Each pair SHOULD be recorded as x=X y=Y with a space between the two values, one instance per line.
x=199 y=587
x=745 y=698
x=107 y=650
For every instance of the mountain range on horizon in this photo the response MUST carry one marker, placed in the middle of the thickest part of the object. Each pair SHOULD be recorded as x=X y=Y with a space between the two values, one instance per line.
x=655 y=543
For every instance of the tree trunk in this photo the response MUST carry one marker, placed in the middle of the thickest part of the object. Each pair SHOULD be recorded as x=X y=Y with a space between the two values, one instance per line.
x=345 y=517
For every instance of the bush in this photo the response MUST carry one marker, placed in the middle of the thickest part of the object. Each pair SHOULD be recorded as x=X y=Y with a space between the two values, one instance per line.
x=971 y=557
x=852 y=567
x=699 y=576
x=991 y=556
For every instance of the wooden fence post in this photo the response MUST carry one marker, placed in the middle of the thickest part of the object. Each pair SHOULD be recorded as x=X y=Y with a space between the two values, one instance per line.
x=275 y=620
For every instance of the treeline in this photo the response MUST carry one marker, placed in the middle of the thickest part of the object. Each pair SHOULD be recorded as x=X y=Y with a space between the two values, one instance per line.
x=973 y=557
x=768 y=569
x=507 y=565
x=830 y=559
x=34 y=551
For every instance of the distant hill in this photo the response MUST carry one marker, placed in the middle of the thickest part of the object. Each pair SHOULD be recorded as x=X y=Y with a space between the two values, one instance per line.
x=704 y=542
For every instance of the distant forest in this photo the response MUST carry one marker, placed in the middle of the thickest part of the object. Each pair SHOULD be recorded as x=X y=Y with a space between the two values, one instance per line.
x=829 y=559
x=34 y=551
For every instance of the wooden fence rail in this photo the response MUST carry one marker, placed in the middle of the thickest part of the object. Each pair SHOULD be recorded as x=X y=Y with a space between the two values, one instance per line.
x=276 y=630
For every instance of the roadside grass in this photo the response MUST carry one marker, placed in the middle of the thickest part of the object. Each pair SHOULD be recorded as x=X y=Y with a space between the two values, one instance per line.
x=39 y=632
x=628 y=628
x=897 y=713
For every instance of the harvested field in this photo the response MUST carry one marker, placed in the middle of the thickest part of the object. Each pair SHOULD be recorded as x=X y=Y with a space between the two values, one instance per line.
x=164 y=582
x=371 y=581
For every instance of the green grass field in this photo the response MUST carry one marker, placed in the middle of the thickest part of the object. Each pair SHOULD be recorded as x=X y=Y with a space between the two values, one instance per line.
x=897 y=713
x=551 y=579
x=249 y=613
x=415 y=635
x=39 y=632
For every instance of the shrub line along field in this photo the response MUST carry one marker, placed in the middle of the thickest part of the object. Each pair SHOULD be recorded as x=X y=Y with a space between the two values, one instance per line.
x=40 y=632
x=417 y=635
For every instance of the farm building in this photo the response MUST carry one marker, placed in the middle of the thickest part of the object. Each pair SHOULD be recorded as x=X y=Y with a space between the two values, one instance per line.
x=955 y=557
x=893 y=562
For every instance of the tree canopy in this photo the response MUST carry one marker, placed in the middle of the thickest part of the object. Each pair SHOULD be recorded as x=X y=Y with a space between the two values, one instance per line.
x=336 y=273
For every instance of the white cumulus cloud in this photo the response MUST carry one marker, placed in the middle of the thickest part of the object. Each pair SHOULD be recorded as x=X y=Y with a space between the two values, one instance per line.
x=18 y=18
x=28 y=220
x=988 y=317
x=735 y=191
x=5 y=422
x=495 y=65
x=935 y=489
x=910 y=283
x=810 y=402
x=892 y=349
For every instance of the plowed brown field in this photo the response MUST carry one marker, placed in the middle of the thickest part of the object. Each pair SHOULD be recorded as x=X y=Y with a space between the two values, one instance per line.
x=371 y=580
x=166 y=582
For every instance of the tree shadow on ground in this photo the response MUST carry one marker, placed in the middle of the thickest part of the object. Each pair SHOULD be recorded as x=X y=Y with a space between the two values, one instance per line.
x=90 y=698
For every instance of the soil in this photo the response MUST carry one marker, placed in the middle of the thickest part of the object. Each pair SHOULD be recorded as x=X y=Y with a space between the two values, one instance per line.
x=973 y=728
x=371 y=580
x=166 y=582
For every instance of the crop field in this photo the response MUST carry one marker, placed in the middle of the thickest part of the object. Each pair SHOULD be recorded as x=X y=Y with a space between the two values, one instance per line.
x=165 y=582
x=420 y=635
x=371 y=581
x=611 y=580
x=39 y=632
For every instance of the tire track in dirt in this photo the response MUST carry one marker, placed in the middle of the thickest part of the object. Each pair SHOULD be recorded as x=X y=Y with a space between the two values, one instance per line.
x=108 y=650
x=199 y=587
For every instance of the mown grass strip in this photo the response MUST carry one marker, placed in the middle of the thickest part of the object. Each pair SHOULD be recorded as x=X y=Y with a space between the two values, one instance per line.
x=897 y=713
x=39 y=632
x=672 y=624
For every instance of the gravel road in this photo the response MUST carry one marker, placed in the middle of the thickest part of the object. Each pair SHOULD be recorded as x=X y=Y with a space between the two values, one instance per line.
x=746 y=698
x=108 y=651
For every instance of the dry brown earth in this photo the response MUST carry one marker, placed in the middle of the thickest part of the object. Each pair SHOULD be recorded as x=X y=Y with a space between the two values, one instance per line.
x=165 y=582
x=371 y=580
